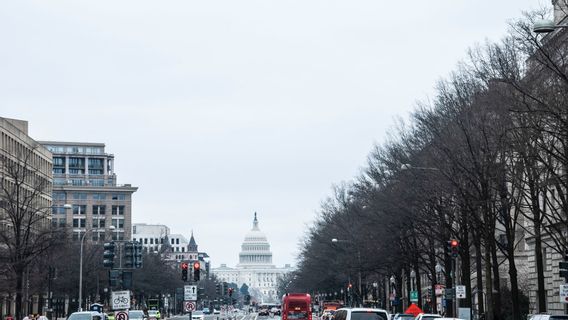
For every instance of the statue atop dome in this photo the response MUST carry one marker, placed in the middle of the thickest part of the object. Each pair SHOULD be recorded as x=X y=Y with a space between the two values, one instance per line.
x=255 y=223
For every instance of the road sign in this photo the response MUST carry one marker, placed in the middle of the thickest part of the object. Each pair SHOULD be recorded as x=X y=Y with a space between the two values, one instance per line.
x=190 y=293
x=188 y=306
x=413 y=296
x=120 y=300
x=564 y=293
x=121 y=315
x=449 y=293
x=460 y=292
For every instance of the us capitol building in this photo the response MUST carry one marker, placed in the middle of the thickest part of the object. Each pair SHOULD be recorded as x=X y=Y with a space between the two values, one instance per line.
x=255 y=268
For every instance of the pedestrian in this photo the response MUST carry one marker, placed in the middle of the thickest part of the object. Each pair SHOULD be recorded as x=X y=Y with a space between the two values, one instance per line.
x=9 y=317
x=27 y=317
x=42 y=317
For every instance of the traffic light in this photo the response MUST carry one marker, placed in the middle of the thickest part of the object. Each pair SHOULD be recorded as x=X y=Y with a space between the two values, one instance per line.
x=108 y=254
x=563 y=267
x=230 y=292
x=453 y=248
x=128 y=254
x=115 y=278
x=196 y=270
x=218 y=288
x=137 y=255
x=184 y=267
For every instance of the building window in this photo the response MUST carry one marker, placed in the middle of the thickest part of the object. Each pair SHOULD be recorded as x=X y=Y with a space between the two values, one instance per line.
x=79 y=209
x=172 y=241
x=118 y=197
x=183 y=249
x=79 y=196
x=118 y=223
x=151 y=240
x=98 y=223
x=99 y=196
x=78 y=223
x=177 y=240
x=118 y=210
x=99 y=210
x=58 y=161
x=97 y=182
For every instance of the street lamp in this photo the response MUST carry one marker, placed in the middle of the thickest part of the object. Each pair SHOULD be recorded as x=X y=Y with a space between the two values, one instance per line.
x=546 y=26
x=406 y=166
x=111 y=228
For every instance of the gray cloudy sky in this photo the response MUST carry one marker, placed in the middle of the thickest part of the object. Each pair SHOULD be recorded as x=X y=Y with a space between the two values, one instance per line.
x=217 y=109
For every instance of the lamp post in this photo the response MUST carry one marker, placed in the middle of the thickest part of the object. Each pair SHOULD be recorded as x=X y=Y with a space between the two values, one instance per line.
x=393 y=292
x=359 y=275
x=81 y=269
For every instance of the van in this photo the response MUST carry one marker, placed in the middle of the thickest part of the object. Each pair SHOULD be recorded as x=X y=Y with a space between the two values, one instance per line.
x=361 y=314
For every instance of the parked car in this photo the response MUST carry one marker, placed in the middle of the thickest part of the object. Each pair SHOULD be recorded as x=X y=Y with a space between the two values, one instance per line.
x=215 y=311
x=154 y=314
x=136 y=315
x=87 y=315
x=403 y=316
x=327 y=315
x=548 y=317
x=428 y=316
x=197 y=315
x=361 y=314
x=263 y=312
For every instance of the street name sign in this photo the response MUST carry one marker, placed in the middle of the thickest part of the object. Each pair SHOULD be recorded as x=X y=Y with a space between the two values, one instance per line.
x=564 y=293
x=460 y=292
x=190 y=293
x=120 y=300
x=189 y=306
x=413 y=296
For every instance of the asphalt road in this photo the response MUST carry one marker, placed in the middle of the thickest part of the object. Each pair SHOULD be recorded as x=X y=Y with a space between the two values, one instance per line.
x=252 y=316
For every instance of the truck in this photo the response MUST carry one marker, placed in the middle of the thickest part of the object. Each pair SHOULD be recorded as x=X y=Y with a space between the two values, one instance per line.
x=296 y=306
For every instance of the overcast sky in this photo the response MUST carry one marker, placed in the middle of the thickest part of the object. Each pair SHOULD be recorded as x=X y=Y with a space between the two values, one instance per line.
x=218 y=109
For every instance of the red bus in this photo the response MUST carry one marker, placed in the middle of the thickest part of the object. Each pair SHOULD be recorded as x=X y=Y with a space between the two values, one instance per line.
x=296 y=306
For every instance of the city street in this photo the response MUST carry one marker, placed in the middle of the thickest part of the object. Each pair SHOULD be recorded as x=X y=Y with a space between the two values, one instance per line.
x=252 y=316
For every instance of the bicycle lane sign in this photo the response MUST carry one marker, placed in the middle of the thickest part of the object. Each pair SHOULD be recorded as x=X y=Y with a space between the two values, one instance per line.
x=120 y=300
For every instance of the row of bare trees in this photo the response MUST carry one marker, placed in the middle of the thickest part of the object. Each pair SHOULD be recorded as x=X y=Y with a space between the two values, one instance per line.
x=484 y=162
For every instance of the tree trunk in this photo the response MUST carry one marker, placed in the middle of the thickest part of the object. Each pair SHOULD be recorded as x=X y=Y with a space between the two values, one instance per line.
x=479 y=274
x=496 y=282
x=514 y=283
x=19 y=292
x=418 y=285
x=541 y=291
x=488 y=284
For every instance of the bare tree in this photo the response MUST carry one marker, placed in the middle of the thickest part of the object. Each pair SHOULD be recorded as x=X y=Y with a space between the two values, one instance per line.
x=25 y=200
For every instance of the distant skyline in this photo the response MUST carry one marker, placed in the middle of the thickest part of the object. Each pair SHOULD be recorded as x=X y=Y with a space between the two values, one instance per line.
x=216 y=110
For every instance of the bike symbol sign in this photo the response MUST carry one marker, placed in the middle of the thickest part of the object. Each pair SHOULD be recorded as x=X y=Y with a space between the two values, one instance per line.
x=188 y=306
x=121 y=315
x=120 y=300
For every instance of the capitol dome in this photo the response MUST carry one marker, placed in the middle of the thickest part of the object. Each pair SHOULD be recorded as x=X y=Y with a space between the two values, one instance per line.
x=255 y=249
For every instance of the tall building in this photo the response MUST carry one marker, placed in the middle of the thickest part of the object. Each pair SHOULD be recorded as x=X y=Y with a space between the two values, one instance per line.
x=83 y=176
x=255 y=268
x=152 y=236
x=25 y=203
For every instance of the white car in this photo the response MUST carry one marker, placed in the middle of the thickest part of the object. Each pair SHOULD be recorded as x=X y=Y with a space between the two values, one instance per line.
x=86 y=315
x=361 y=314
x=548 y=317
x=428 y=316
x=197 y=315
